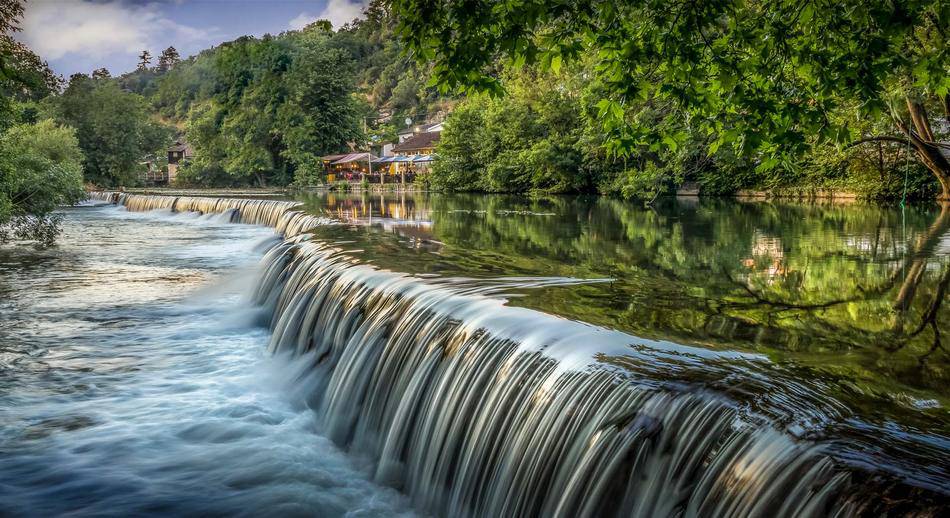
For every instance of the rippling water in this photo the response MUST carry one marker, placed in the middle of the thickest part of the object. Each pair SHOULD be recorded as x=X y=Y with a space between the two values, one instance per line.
x=484 y=356
x=134 y=380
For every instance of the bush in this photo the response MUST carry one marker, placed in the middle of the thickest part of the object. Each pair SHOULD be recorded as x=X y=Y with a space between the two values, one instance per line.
x=40 y=170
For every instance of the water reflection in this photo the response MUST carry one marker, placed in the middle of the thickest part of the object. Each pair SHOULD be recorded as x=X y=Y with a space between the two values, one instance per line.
x=851 y=292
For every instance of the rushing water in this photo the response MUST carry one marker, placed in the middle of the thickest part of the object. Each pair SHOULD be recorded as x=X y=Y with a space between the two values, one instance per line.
x=134 y=380
x=484 y=356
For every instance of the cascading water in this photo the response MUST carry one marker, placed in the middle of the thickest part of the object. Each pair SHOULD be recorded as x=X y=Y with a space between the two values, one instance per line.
x=280 y=215
x=475 y=408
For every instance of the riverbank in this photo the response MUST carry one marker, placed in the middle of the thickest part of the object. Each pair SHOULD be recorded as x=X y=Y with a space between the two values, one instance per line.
x=745 y=195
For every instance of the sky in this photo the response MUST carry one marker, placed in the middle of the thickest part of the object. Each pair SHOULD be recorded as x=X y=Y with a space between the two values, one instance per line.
x=83 y=35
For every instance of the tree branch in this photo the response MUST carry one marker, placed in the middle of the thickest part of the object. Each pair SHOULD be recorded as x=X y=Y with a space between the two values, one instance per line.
x=881 y=138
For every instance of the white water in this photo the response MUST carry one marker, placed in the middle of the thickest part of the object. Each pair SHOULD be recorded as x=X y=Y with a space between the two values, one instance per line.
x=134 y=379
x=433 y=387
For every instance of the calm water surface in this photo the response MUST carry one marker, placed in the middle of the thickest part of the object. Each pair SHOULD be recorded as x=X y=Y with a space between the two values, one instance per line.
x=847 y=299
x=134 y=377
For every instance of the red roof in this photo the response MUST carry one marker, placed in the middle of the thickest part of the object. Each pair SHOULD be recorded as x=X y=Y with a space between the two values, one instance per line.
x=426 y=140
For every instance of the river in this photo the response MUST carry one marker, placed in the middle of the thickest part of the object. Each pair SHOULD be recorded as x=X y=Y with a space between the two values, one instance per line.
x=462 y=355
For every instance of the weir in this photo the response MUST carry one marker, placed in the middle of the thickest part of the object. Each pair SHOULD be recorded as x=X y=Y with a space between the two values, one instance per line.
x=281 y=215
x=476 y=408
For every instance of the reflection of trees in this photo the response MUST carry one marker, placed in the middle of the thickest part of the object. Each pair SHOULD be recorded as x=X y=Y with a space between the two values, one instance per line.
x=923 y=251
x=912 y=271
x=816 y=284
x=824 y=283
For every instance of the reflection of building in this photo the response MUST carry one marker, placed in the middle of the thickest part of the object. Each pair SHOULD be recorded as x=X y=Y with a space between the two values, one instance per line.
x=178 y=153
x=768 y=256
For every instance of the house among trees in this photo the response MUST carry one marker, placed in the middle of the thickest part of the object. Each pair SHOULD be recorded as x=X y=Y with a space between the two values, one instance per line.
x=418 y=144
x=151 y=173
x=330 y=169
x=401 y=161
x=178 y=153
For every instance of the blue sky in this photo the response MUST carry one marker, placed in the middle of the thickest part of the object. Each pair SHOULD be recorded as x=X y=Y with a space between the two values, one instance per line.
x=82 y=35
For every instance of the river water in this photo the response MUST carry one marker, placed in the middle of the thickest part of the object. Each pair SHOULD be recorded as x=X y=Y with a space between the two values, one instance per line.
x=134 y=380
x=477 y=355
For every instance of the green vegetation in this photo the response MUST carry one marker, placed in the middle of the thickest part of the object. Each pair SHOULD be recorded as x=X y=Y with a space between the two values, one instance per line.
x=255 y=110
x=770 y=90
x=40 y=169
x=850 y=294
x=529 y=140
x=114 y=128
x=629 y=98
x=40 y=162
x=264 y=110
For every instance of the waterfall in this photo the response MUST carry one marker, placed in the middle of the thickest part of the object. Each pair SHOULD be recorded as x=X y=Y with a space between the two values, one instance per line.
x=476 y=408
x=281 y=215
x=103 y=196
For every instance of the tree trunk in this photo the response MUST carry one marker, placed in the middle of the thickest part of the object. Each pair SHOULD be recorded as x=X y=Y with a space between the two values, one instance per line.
x=916 y=263
x=921 y=137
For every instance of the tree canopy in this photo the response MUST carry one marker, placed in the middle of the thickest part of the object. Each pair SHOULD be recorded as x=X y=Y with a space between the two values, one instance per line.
x=114 y=128
x=40 y=169
x=766 y=78
x=40 y=162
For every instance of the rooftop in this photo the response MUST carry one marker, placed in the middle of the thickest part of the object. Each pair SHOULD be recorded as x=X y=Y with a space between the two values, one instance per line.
x=418 y=141
x=178 y=147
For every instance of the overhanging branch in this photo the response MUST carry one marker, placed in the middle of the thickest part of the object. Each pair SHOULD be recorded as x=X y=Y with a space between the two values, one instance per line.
x=880 y=138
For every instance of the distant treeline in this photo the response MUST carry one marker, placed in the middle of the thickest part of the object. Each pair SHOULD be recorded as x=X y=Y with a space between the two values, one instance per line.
x=264 y=110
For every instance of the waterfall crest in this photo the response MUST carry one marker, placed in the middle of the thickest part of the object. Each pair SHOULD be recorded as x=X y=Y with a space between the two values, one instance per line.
x=476 y=408
x=281 y=215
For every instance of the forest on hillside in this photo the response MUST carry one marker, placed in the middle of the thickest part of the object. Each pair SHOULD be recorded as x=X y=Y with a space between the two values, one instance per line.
x=857 y=102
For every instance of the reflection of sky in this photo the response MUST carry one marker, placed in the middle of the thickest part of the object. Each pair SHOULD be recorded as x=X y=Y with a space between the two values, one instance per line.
x=943 y=248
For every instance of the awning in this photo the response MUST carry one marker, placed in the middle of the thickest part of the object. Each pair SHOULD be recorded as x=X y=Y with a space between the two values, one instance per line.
x=423 y=158
x=384 y=160
x=355 y=157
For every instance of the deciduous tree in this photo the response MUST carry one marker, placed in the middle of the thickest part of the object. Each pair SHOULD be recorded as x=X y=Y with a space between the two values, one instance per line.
x=762 y=77
x=40 y=169
x=114 y=128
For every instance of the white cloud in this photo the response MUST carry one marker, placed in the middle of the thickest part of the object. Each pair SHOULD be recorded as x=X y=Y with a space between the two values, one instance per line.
x=83 y=29
x=339 y=12
x=302 y=20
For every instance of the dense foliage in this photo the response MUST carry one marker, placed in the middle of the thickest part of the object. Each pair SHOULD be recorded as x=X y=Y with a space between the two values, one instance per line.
x=114 y=128
x=633 y=98
x=771 y=81
x=40 y=162
x=264 y=110
x=533 y=139
x=40 y=169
